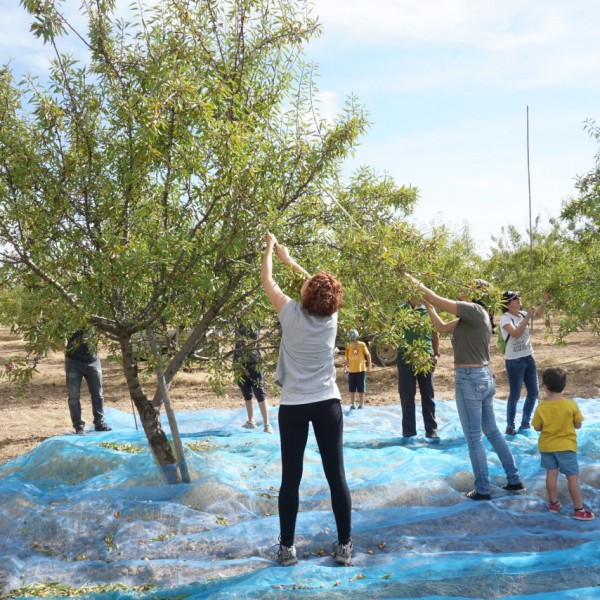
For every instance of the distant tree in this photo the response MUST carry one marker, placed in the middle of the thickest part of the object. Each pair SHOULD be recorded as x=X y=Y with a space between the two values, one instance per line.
x=517 y=264
x=565 y=259
x=576 y=278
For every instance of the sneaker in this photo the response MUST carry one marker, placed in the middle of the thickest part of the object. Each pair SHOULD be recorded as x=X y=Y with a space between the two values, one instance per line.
x=474 y=495
x=342 y=553
x=516 y=488
x=582 y=514
x=249 y=425
x=554 y=506
x=352 y=407
x=286 y=556
x=102 y=427
x=268 y=428
x=511 y=431
x=80 y=429
x=361 y=406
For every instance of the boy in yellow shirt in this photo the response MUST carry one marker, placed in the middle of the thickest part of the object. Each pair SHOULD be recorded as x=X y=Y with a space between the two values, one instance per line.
x=358 y=362
x=558 y=418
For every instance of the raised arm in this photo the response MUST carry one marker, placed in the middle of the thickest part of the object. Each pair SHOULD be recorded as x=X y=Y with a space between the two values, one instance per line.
x=539 y=311
x=518 y=331
x=449 y=306
x=284 y=256
x=440 y=325
x=276 y=297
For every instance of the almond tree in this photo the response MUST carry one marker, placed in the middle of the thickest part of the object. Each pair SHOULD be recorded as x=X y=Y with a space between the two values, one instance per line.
x=138 y=179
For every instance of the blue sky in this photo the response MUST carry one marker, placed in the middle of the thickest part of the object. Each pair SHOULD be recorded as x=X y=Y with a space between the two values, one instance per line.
x=446 y=84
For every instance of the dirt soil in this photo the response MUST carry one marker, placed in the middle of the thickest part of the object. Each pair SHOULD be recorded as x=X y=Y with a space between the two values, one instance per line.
x=27 y=418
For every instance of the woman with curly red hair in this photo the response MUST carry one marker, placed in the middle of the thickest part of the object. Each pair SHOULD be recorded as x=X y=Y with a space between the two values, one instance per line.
x=309 y=394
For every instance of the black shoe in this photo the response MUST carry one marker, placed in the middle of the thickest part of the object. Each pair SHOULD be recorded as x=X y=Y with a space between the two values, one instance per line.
x=516 y=488
x=432 y=435
x=80 y=429
x=473 y=495
x=102 y=427
x=511 y=431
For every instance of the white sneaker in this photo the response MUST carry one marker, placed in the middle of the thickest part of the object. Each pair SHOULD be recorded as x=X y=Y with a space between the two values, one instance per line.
x=249 y=425
x=268 y=428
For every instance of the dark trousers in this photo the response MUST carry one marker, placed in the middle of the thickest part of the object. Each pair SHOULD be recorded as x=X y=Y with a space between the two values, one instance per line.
x=76 y=371
x=253 y=382
x=327 y=421
x=407 y=388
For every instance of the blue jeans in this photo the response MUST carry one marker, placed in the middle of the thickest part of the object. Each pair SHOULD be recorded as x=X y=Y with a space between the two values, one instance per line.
x=475 y=388
x=77 y=370
x=521 y=371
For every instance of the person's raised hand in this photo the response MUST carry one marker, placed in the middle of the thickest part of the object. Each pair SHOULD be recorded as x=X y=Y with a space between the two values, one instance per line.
x=283 y=254
x=270 y=239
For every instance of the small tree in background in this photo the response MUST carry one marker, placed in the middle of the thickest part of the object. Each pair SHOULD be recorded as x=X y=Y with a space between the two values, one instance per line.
x=566 y=259
x=576 y=277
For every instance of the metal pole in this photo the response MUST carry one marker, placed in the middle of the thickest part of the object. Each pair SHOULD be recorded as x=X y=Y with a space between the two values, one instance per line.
x=530 y=219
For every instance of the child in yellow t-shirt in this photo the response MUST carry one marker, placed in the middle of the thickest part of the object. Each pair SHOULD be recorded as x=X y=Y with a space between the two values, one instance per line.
x=558 y=418
x=358 y=362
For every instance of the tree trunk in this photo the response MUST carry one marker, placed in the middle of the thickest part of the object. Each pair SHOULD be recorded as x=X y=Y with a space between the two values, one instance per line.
x=149 y=416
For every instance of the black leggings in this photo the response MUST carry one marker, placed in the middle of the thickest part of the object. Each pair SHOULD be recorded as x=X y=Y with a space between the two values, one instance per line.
x=326 y=417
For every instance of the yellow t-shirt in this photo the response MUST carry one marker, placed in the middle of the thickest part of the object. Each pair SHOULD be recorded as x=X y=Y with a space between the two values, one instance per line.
x=557 y=420
x=356 y=355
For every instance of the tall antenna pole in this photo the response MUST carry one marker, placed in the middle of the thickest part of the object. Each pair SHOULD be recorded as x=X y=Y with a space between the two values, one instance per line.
x=530 y=217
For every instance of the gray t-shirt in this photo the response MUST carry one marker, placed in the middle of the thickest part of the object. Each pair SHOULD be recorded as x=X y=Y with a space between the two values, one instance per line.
x=305 y=369
x=471 y=336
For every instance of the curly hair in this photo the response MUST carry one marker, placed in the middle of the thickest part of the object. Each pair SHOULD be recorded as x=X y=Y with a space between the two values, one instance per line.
x=323 y=295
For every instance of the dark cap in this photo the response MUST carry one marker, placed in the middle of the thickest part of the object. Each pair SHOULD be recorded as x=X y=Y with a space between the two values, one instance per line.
x=508 y=296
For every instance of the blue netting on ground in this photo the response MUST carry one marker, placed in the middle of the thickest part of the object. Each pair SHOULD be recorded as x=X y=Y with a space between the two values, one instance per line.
x=78 y=511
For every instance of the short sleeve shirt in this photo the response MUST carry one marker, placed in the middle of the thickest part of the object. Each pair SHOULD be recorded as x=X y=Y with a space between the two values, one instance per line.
x=557 y=420
x=305 y=368
x=356 y=355
x=515 y=347
x=471 y=336
x=412 y=335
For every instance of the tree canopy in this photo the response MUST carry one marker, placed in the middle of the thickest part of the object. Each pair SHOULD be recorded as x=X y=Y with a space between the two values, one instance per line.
x=137 y=182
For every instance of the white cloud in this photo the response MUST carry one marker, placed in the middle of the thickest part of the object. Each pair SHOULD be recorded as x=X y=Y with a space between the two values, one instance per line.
x=544 y=42
x=486 y=23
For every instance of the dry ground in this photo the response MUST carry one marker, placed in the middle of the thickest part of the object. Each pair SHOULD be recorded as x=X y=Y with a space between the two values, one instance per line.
x=41 y=412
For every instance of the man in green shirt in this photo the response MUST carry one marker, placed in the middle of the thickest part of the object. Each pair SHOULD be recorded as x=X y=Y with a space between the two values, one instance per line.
x=408 y=379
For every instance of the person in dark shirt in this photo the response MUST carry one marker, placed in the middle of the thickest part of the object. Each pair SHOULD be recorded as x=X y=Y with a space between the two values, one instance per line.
x=82 y=362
